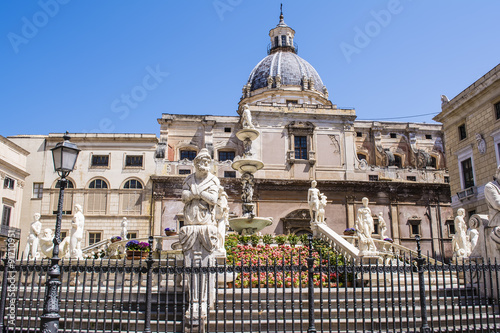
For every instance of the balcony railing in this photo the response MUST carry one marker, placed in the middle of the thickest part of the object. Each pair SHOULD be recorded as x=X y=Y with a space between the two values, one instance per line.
x=294 y=48
x=468 y=192
x=7 y=231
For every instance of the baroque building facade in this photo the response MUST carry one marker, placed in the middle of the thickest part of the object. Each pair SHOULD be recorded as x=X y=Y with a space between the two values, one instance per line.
x=400 y=167
x=471 y=126
x=13 y=173
x=111 y=181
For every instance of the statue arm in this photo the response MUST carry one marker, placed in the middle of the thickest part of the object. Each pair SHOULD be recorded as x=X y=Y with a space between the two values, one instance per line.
x=210 y=195
x=492 y=196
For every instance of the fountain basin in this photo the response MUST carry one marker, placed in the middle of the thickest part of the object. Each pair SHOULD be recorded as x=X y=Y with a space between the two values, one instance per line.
x=247 y=165
x=250 y=225
x=247 y=133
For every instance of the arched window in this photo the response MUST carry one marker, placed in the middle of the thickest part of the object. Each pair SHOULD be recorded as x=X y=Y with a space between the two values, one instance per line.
x=131 y=199
x=133 y=184
x=433 y=162
x=187 y=154
x=69 y=184
x=361 y=156
x=98 y=184
x=96 y=199
x=68 y=198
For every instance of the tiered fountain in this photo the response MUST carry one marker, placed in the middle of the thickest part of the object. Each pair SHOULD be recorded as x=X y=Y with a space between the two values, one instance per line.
x=247 y=165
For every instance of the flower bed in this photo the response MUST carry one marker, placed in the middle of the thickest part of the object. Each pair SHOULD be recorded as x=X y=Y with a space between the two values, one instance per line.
x=285 y=257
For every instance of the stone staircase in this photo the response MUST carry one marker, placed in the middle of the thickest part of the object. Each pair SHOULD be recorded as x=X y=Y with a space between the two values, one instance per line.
x=382 y=306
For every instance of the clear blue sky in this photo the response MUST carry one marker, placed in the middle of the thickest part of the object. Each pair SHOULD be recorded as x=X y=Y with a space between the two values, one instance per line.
x=68 y=66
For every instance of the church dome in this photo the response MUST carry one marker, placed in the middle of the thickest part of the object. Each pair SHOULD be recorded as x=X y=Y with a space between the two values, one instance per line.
x=292 y=70
x=283 y=69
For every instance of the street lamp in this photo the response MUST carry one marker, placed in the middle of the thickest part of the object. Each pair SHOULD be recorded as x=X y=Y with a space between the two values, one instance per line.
x=64 y=155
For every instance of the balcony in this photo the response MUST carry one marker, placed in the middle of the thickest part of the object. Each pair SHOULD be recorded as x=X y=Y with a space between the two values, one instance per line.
x=465 y=194
x=294 y=48
x=7 y=231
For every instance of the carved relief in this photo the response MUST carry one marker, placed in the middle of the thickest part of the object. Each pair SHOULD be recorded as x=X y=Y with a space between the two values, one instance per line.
x=335 y=143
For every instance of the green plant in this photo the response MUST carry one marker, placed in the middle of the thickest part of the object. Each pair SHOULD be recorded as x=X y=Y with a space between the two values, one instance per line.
x=254 y=239
x=280 y=239
x=244 y=239
x=293 y=239
x=304 y=239
x=268 y=239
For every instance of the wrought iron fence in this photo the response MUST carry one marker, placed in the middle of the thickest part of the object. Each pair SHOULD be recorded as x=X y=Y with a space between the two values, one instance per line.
x=305 y=295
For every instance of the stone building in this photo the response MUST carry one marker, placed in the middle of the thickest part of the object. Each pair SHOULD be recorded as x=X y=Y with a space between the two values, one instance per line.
x=13 y=176
x=471 y=126
x=111 y=181
x=400 y=167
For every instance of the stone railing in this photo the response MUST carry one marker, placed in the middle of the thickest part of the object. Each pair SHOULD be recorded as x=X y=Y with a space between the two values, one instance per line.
x=109 y=250
x=337 y=242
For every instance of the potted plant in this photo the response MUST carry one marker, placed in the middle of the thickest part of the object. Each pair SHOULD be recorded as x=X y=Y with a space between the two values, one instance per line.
x=137 y=250
x=293 y=239
x=170 y=232
x=349 y=232
x=115 y=239
x=389 y=239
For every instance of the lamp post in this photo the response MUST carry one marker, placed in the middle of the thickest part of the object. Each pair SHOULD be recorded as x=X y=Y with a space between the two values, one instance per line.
x=64 y=155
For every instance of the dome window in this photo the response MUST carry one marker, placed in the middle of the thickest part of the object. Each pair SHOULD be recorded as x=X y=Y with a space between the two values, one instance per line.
x=283 y=40
x=276 y=41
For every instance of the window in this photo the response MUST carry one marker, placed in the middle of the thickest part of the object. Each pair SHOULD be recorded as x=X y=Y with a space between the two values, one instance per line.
x=462 y=133
x=373 y=178
x=359 y=134
x=229 y=174
x=397 y=161
x=276 y=39
x=133 y=184
x=94 y=237
x=428 y=136
x=131 y=200
x=69 y=184
x=97 y=198
x=227 y=129
x=132 y=235
x=375 y=226
x=37 y=190
x=283 y=40
x=68 y=198
x=433 y=162
x=292 y=101
x=467 y=173
x=6 y=215
x=133 y=161
x=301 y=147
x=497 y=110
x=451 y=228
x=188 y=154
x=226 y=155
x=98 y=183
x=411 y=178
x=414 y=227
x=447 y=179
x=100 y=160
x=393 y=135
x=64 y=234
x=9 y=183
x=470 y=213
x=184 y=172
x=361 y=156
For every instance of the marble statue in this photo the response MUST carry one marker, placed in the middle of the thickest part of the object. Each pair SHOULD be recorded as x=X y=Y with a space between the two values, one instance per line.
x=76 y=235
x=444 y=99
x=199 y=235
x=46 y=244
x=222 y=217
x=31 y=250
x=247 y=188
x=124 y=231
x=364 y=228
x=382 y=225
x=473 y=235
x=492 y=195
x=460 y=243
x=313 y=201
x=246 y=118
x=321 y=209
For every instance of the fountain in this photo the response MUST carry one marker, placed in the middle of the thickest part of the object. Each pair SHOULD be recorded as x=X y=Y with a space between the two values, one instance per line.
x=247 y=165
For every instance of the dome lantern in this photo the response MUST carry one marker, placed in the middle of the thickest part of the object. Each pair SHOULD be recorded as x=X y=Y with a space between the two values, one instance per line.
x=282 y=38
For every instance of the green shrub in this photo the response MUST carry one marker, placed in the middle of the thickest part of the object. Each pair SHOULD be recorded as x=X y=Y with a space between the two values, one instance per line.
x=254 y=239
x=293 y=239
x=268 y=239
x=280 y=239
